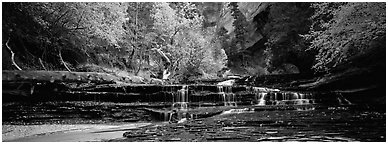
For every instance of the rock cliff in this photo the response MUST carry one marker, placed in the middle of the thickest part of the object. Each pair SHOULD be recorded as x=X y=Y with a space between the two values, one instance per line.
x=278 y=24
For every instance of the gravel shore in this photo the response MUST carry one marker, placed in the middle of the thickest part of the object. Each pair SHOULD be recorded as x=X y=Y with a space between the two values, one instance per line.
x=65 y=132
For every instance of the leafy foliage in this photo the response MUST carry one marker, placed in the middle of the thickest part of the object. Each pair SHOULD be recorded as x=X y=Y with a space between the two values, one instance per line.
x=240 y=25
x=139 y=35
x=346 y=30
x=115 y=35
x=234 y=44
x=122 y=35
x=180 y=34
x=77 y=29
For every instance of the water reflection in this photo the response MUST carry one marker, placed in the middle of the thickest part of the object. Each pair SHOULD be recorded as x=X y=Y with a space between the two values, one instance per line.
x=245 y=124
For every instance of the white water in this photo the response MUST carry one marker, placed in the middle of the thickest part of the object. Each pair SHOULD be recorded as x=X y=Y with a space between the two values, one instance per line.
x=228 y=97
x=282 y=98
x=181 y=99
x=237 y=111
x=226 y=83
x=260 y=97
x=263 y=89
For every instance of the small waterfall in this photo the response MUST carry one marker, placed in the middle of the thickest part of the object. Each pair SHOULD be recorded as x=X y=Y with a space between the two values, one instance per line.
x=228 y=97
x=166 y=116
x=282 y=98
x=259 y=96
x=181 y=99
x=261 y=100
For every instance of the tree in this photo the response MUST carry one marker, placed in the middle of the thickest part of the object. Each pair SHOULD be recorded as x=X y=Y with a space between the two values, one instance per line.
x=139 y=34
x=240 y=25
x=345 y=30
x=65 y=33
x=236 y=45
x=115 y=35
x=180 y=34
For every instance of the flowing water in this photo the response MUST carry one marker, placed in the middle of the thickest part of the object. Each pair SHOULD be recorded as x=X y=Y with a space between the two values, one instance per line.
x=180 y=99
x=228 y=97
x=213 y=113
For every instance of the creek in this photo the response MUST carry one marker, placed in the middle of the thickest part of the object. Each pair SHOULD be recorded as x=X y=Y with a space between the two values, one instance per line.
x=205 y=113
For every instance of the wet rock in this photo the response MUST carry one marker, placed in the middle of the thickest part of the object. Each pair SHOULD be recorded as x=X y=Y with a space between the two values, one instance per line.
x=151 y=132
x=271 y=132
x=194 y=130
x=134 y=134
x=211 y=132
x=300 y=135
x=223 y=138
x=180 y=127
x=272 y=139
x=174 y=139
x=332 y=134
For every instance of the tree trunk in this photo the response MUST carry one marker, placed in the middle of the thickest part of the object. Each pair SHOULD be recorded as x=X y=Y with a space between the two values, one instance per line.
x=132 y=58
x=140 y=62
x=167 y=63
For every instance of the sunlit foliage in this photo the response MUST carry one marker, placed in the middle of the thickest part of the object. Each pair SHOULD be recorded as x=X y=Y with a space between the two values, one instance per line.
x=344 y=30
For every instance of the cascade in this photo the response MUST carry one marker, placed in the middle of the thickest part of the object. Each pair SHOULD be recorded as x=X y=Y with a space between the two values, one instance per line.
x=180 y=99
x=259 y=95
x=228 y=97
x=166 y=116
x=282 y=98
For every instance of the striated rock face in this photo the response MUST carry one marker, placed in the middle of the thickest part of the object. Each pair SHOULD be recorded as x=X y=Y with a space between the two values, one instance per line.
x=250 y=10
x=218 y=15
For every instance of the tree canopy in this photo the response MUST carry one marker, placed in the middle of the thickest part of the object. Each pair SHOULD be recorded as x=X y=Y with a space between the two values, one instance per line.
x=113 y=35
x=124 y=35
x=343 y=30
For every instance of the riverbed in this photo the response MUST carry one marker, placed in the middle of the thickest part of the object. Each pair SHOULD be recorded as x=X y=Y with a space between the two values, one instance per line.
x=335 y=124
x=101 y=121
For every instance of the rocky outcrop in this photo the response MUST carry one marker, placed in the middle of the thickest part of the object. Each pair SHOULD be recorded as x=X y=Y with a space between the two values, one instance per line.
x=250 y=10
x=265 y=22
x=219 y=16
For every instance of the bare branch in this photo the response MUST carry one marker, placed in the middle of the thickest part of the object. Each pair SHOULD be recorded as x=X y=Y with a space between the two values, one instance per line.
x=12 y=55
x=167 y=62
x=65 y=22
x=78 y=28
x=164 y=56
x=176 y=30
x=79 y=21
x=61 y=17
x=41 y=63
x=63 y=62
